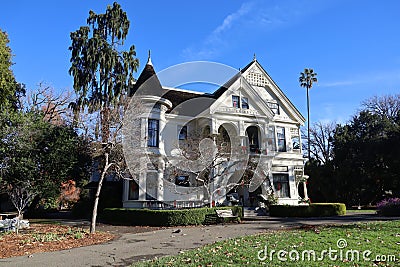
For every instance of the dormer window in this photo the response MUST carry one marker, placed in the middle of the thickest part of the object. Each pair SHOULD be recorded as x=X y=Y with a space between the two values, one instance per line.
x=245 y=103
x=236 y=101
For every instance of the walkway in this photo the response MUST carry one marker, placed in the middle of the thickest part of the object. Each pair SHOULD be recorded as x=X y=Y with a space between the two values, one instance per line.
x=134 y=247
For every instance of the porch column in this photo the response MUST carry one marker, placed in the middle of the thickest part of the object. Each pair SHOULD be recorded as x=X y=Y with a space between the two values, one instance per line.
x=305 y=178
x=142 y=185
x=160 y=181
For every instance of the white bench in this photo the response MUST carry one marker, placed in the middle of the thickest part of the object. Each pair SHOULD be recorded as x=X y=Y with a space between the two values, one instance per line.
x=8 y=215
x=222 y=214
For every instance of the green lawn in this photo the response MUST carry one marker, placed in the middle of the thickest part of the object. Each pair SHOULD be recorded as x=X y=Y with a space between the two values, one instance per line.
x=361 y=211
x=363 y=241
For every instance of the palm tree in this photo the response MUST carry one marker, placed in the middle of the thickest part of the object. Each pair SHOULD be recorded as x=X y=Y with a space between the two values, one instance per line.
x=306 y=79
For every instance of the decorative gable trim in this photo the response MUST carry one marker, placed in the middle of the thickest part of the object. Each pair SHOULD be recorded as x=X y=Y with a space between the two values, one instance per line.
x=242 y=84
x=257 y=76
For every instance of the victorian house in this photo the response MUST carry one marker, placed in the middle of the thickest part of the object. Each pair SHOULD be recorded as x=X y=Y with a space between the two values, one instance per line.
x=249 y=115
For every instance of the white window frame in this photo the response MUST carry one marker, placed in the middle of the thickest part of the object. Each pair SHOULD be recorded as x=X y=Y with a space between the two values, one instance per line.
x=238 y=101
x=278 y=192
x=278 y=138
x=153 y=138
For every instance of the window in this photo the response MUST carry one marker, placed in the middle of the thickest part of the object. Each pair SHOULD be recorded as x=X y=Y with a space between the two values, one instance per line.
x=206 y=132
x=182 y=133
x=274 y=107
x=235 y=101
x=133 y=190
x=294 y=133
x=245 y=103
x=280 y=133
x=296 y=142
x=151 y=186
x=252 y=134
x=281 y=185
x=271 y=144
x=182 y=180
x=152 y=133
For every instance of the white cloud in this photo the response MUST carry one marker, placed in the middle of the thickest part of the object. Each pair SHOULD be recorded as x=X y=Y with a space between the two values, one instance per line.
x=258 y=15
x=211 y=46
x=371 y=78
x=230 y=19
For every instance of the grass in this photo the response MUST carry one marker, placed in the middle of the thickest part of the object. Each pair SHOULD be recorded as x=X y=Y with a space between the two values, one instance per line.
x=50 y=236
x=380 y=238
x=362 y=211
x=44 y=221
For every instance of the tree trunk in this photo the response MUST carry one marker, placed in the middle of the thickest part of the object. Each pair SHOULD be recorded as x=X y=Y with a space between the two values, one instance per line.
x=18 y=221
x=97 y=196
x=105 y=124
x=210 y=195
x=308 y=122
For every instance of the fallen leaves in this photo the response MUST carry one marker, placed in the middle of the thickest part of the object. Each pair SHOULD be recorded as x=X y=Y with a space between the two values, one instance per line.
x=48 y=237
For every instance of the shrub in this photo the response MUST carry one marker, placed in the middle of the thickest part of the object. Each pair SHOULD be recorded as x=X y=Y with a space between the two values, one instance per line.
x=389 y=207
x=149 y=217
x=312 y=210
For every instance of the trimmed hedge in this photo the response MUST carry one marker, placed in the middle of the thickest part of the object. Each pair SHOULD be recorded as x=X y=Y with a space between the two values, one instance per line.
x=389 y=211
x=389 y=207
x=312 y=210
x=147 y=217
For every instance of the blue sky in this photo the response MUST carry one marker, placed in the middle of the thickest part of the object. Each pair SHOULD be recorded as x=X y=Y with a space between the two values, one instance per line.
x=354 y=46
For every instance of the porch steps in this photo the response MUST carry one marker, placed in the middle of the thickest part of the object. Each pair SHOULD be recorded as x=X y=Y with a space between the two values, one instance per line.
x=252 y=214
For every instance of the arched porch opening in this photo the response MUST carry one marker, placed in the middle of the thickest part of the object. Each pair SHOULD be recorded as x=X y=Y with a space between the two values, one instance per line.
x=253 y=139
x=227 y=137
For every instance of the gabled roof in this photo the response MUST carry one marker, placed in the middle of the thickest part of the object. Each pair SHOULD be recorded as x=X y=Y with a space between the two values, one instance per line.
x=228 y=84
x=275 y=88
x=149 y=83
x=242 y=83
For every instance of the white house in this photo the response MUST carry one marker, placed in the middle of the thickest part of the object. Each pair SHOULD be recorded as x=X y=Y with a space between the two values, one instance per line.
x=249 y=114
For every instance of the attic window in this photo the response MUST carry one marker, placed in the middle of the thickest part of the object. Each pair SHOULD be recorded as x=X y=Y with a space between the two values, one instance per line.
x=245 y=103
x=236 y=101
x=274 y=107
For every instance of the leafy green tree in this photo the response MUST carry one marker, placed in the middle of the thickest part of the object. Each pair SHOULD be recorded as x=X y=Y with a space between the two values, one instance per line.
x=37 y=155
x=366 y=158
x=306 y=79
x=364 y=162
x=10 y=90
x=102 y=73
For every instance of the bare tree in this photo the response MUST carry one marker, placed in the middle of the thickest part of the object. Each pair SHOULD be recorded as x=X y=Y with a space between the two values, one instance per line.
x=109 y=155
x=387 y=106
x=53 y=105
x=321 y=138
x=20 y=196
x=217 y=164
